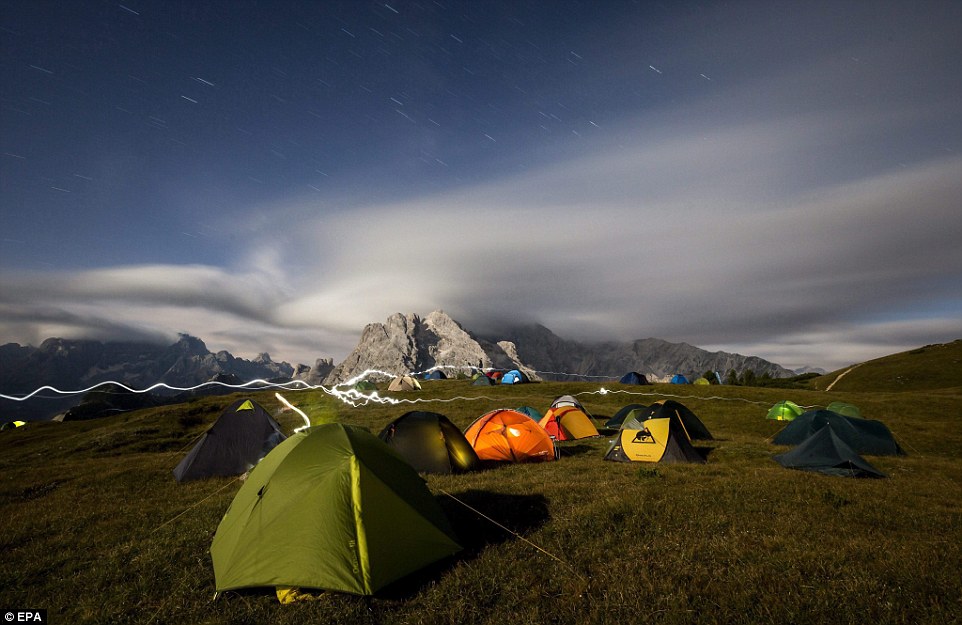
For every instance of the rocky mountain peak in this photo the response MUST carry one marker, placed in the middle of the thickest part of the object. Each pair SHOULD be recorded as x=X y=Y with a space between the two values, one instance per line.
x=408 y=343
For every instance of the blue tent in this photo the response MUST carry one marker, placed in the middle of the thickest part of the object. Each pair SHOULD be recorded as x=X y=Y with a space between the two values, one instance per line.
x=633 y=377
x=513 y=377
x=679 y=379
x=437 y=374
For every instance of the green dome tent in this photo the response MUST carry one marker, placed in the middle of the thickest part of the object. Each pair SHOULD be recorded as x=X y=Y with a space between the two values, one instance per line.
x=784 y=411
x=482 y=380
x=844 y=409
x=332 y=508
x=430 y=443
x=364 y=386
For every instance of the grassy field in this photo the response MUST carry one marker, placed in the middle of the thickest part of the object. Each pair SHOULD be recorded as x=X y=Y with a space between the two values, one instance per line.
x=96 y=530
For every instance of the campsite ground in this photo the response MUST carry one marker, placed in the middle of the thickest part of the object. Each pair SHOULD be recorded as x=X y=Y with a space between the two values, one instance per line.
x=97 y=530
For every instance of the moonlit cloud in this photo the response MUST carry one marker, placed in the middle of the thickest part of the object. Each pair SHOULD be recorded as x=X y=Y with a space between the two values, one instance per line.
x=801 y=205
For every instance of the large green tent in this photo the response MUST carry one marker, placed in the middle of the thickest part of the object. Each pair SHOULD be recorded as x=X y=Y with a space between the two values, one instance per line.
x=824 y=452
x=865 y=436
x=332 y=508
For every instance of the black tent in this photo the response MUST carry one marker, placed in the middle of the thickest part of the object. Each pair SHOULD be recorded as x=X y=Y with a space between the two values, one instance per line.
x=633 y=377
x=666 y=408
x=619 y=417
x=430 y=443
x=865 y=436
x=824 y=452
x=240 y=437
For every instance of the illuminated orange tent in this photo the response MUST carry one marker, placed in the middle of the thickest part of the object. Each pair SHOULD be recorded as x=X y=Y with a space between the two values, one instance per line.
x=567 y=423
x=509 y=436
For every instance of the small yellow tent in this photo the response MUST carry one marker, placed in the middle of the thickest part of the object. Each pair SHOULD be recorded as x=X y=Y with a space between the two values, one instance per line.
x=661 y=440
x=404 y=383
x=567 y=423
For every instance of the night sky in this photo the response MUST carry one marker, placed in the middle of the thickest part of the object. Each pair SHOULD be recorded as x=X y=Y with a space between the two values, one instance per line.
x=779 y=179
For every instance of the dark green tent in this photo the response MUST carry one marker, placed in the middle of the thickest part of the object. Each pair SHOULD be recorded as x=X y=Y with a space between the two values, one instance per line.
x=666 y=408
x=430 y=443
x=365 y=386
x=619 y=417
x=824 y=452
x=530 y=412
x=241 y=436
x=482 y=380
x=865 y=436
x=332 y=508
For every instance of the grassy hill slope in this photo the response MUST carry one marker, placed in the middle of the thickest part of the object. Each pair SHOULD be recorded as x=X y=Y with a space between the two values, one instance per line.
x=96 y=530
x=926 y=368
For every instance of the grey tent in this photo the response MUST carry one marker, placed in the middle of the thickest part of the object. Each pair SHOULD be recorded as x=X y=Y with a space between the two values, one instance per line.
x=240 y=437
x=865 y=436
x=824 y=452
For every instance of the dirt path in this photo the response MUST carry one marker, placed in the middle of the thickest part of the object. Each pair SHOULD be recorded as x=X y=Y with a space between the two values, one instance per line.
x=840 y=376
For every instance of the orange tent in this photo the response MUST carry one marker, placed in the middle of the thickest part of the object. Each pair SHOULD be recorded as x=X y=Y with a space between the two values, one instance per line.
x=509 y=436
x=566 y=423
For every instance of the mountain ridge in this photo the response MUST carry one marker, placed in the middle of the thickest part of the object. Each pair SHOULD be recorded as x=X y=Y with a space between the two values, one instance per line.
x=403 y=343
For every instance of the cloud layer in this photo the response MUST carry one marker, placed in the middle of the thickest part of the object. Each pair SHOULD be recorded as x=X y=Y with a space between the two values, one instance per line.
x=766 y=179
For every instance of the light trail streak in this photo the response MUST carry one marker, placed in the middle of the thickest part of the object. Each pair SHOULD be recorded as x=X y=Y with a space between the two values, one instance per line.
x=307 y=421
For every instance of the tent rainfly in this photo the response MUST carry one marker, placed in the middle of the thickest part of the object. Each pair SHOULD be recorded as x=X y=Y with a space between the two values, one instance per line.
x=824 y=452
x=865 y=436
x=331 y=508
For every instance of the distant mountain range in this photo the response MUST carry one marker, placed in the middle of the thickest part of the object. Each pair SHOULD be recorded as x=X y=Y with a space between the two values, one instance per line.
x=76 y=364
x=404 y=343
x=410 y=343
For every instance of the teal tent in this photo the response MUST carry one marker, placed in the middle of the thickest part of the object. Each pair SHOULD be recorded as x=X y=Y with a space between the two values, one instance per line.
x=824 y=452
x=530 y=412
x=865 y=436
